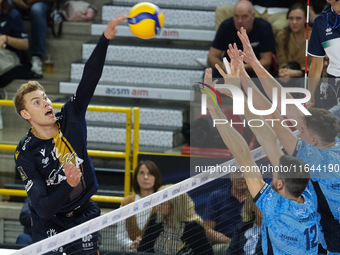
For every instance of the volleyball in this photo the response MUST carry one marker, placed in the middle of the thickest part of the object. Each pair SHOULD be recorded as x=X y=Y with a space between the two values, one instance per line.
x=145 y=20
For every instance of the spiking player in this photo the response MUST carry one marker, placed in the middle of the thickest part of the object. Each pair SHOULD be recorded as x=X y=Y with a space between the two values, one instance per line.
x=52 y=158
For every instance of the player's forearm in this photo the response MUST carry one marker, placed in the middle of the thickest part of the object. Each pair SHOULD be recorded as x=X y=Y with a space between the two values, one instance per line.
x=230 y=136
x=48 y=205
x=314 y=75
x=266 y=136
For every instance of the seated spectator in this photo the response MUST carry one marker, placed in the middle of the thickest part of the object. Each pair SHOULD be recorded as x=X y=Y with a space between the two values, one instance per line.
x=247 y=236
x=293 y=82
x=272 y=11
x=291 y=42
x=175 y=228
x=37 y=12
x=13 y=37
x=26 y=221
x=223 y=212
x=145 y=181
x=315 y=8
x=258 y=30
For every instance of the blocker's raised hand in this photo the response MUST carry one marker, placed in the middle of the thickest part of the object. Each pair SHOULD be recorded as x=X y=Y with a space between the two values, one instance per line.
x=248 y=52
x=111 y=30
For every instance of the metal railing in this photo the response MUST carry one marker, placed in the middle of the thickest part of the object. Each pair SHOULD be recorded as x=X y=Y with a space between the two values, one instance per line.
x=127 y=154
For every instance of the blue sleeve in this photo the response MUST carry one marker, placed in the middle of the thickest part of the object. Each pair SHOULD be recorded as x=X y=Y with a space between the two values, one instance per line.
x=92 y=72
x=45 y=205
x=315 y=44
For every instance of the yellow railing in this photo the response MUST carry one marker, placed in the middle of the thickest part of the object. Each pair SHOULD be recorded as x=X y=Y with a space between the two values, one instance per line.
x=127 y=154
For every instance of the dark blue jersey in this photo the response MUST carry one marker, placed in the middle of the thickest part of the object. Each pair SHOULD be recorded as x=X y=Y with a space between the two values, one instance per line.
x=40 y=161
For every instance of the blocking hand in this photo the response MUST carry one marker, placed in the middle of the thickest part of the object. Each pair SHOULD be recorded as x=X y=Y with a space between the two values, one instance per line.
x=208 y=86
x=111 y=30
x=248 y=52
x=73 y=174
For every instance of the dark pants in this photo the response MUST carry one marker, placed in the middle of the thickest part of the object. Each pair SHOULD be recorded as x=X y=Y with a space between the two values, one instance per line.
x=87 y=245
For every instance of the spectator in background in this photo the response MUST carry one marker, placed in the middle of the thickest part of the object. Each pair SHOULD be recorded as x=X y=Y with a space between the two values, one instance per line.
x=13 y=37
x=223 y=212
x=247 y=236
x=291 y=42
x=258 y=30
x=37 y=12
x=316 y=7
x=293 y=82
x=273 y=11
x=175 y=229
x=325 y=40
x=145 y=181
x=26 y=221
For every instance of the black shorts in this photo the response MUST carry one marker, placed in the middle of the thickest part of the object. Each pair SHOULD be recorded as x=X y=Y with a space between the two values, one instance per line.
x=42 y=229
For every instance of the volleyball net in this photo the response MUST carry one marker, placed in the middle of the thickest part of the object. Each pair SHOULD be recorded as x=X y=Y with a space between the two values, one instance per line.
x=109 y=228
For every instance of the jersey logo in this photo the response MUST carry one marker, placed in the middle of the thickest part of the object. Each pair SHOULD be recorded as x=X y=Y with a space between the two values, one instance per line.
x=329 y=31
x=42 y=152
x=29 y=185
x=26 y=142
x=22 y=173
x=55 y=178
x=16 y=154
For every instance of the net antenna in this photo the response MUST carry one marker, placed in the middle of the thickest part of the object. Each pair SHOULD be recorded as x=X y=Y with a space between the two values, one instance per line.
x=306 y=55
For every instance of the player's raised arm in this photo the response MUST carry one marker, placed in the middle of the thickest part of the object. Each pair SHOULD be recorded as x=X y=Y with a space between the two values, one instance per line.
x=267 y=80
x=94 y=66
x=284 y=134
x=235 y=142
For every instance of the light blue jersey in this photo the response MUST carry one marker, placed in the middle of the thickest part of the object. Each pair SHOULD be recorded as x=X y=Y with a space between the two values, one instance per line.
x=325 y=172
x=288 y=227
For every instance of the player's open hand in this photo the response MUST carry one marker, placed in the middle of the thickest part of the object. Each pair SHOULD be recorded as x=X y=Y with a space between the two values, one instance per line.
x=248 y=52
x=236 y=61
x=73 y=174
x=208 y=87
x=111 y=30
